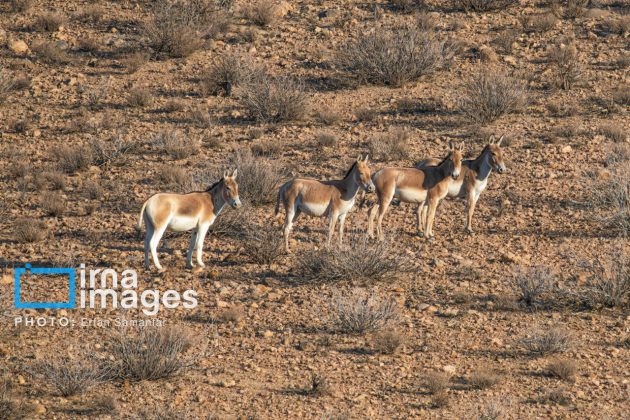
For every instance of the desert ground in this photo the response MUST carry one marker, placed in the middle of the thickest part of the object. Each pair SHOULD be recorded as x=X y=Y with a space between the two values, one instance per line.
x=105 y=103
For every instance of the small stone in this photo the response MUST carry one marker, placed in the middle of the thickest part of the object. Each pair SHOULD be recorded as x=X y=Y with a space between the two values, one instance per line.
x=229 y=383
x=449 y=369
x=39 y=409
x=566 y=149
x=268 y=334
x=21 y=380
x=18 y=47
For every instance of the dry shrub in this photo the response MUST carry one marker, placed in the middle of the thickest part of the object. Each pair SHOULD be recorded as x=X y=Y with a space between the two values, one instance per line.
x=105 y=404
x=227 y=72
x=53 y=180
x=576 y=8
x=10 y=409
x=174 y=105
x=565 y=369
x=267 y=148
x=178 y=28
x=163 y=411
x=7 y=85
x=232 y=224
x=173 y=176
x=71 y=159
x=387 y=342
x=327 y=116
x=622 y=62
x=233 y=314
x=613 y=131
x=92 y=13
x=562 y=108
x=542 y=341
x=610 y=286
x=273 y=98
x=139 y=97
x=483 y=378
x=493 y=410
x=621 y=95
x=408 y=6
x=436 y=382
x=53 y=203
x=491 y=94
x=19 y=170
x=485 y=5
x=105 y=152
x=539 y=23
x=21 y=6
x=394 y=57
x=176 y=144
x=504 y=42
x=135 y=61
x=263 y=244
x=71 y=377
x=326 y=139
x=258 y=178
x=613 y=195
x=200 y=117
x=393 y=145
x=565 y=64
x=440 y=400
x=532 y=283
x=618 y=25
x=151 y=354
x=261 y=12
x=318 y=386
x=96 y=95
x=49 y=21
x=360 y=259
x=359 y=312
x=51 y=52
x=92 y=190
x=88 y=44
x=28 y=230
x=365 y=114
x=557 y=395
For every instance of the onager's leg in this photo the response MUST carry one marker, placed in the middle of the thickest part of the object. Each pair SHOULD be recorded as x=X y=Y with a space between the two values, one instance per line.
x=420 y=215
x=470 y=210
x=201 y=236
x=147 y=239
x=154 y=242
x=290 y=210
x=342 y=221
x=432 y=206
x=191 y=248
x=383 y=205
x=371 y=215
x=331 y=227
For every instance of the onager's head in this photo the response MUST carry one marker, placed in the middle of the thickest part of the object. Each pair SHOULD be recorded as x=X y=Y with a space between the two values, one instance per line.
x=363 y=176
x=230 y=189
x=456 y=155
x=496 y=155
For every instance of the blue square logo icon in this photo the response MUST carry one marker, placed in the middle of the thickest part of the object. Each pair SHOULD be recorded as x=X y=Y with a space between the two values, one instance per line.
x=19 y=272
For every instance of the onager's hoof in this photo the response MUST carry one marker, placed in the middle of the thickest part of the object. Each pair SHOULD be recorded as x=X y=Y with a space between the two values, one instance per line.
x=161 y=270
x=197 y=269
x=431 y=238
x=421 y=234
x=470 y=231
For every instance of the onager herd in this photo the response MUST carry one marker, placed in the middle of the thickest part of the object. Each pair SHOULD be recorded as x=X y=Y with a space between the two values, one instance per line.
x=425 y=185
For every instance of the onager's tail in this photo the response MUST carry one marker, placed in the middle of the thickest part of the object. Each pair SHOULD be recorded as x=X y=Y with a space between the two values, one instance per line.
x=277 y=209
x=141 y=215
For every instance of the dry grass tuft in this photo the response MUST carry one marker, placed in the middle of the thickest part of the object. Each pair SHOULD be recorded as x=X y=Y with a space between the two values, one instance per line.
x=178 y=28
x=557 y=395
x=233 y=314
x=490 y=95
x=176 y=144
x=539 y=23
x=319 y=386
x=393 y=145
x=71 y=377
x=614 y=131
x=263 y=244
x=408 y=6
x=51 y=52
x=273 y=98
x=565 y=369
x=261 y=12
x=326 y=139
x=151 y=354
x=613 y=195
x=105 y=152
x=610 y=286
x=327 y=116
x=10 y=409
x=139 y=97
x=359 y=312
x=361 y=259
x=493 y=410
x=485 y=5
x=436 y=382
x=73 y=159
x=28 y=230
x=134 y=62
x=565 y=64
x=49 y=22
x=618 y=25
x=258 y=178
x=394 y=57
x=227 y=72
x=483 y=378
x=548 y=341
x=532 y=283
x=7 y=85
x=388 y=342
x=53 y=203
x=21 y=6
x=174 y=176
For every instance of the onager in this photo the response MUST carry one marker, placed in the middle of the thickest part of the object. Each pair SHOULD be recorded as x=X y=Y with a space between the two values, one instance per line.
x=194 y=211
x=323 y=198
x=411 y=185
x=474 y=178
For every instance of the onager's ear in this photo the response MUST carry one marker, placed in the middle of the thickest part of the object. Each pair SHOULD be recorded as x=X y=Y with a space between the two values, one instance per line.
x=234 y=173
x=491 y=140
x=460 y=147
x=359 y=158
x=499 y=141
x=366 y=158
x=225 y=174
x=451 y=146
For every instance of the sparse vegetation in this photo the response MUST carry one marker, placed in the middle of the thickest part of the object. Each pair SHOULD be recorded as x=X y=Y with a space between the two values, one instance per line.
x=53 y=203
x=359 y=312
x=610 y=286
x=21 y=6
x=261 y=12
x=548 y=341
x=28 y=230
x=263 y=244
x=539 y=23
x=532 y=283
x=393 y=145
x=388 y=342
x=557 y=395
x=614 y=131
x=258 y=178
x=49 y=21
x=483 y=378
x=176 y=144
x=326 y=139
x=436 y=382
x=327 y=116
x=174 y=176
x=71 y=377
x=565 y=64
x=139 y=97
x=51 y=52
x=490 y=95
x=7 y=85
x=273 y=98
x=135 y=61
x=154 y=353
x=394 y=57
x=358 y=260
x=613 y=195
x=485 y=5
x=71 y=159
x=318 y=386
x=564 y=369
x=228 y=71
x=105 y=152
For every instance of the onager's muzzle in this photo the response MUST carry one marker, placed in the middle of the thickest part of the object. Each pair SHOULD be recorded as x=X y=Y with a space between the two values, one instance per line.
x=235 y=203
x=369 y=187
x=455 y=175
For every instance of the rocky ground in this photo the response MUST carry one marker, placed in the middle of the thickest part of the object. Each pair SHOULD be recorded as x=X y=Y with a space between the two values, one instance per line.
x=261 y=330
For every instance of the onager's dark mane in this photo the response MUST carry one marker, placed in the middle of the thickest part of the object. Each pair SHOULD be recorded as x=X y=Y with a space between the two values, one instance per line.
x=445 y=159
x=211 y=187
x=350 y=170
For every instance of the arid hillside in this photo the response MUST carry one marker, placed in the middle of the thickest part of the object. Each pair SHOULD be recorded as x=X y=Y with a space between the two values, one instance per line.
x=105 y=103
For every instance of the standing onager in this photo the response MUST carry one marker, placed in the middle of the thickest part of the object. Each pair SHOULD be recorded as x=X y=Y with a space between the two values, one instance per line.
x=194 y=211
x=474 y=177
x=323 y=198
x=411 y=185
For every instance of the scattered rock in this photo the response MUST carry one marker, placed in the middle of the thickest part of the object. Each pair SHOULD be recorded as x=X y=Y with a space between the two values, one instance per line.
x=18 y=47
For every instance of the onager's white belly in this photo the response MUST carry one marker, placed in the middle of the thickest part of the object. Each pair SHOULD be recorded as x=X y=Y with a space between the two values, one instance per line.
x=479 y=187
x=346 y=206
x=183 y=223
x=313 y=209
x=455 y=188
x=411 y=195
